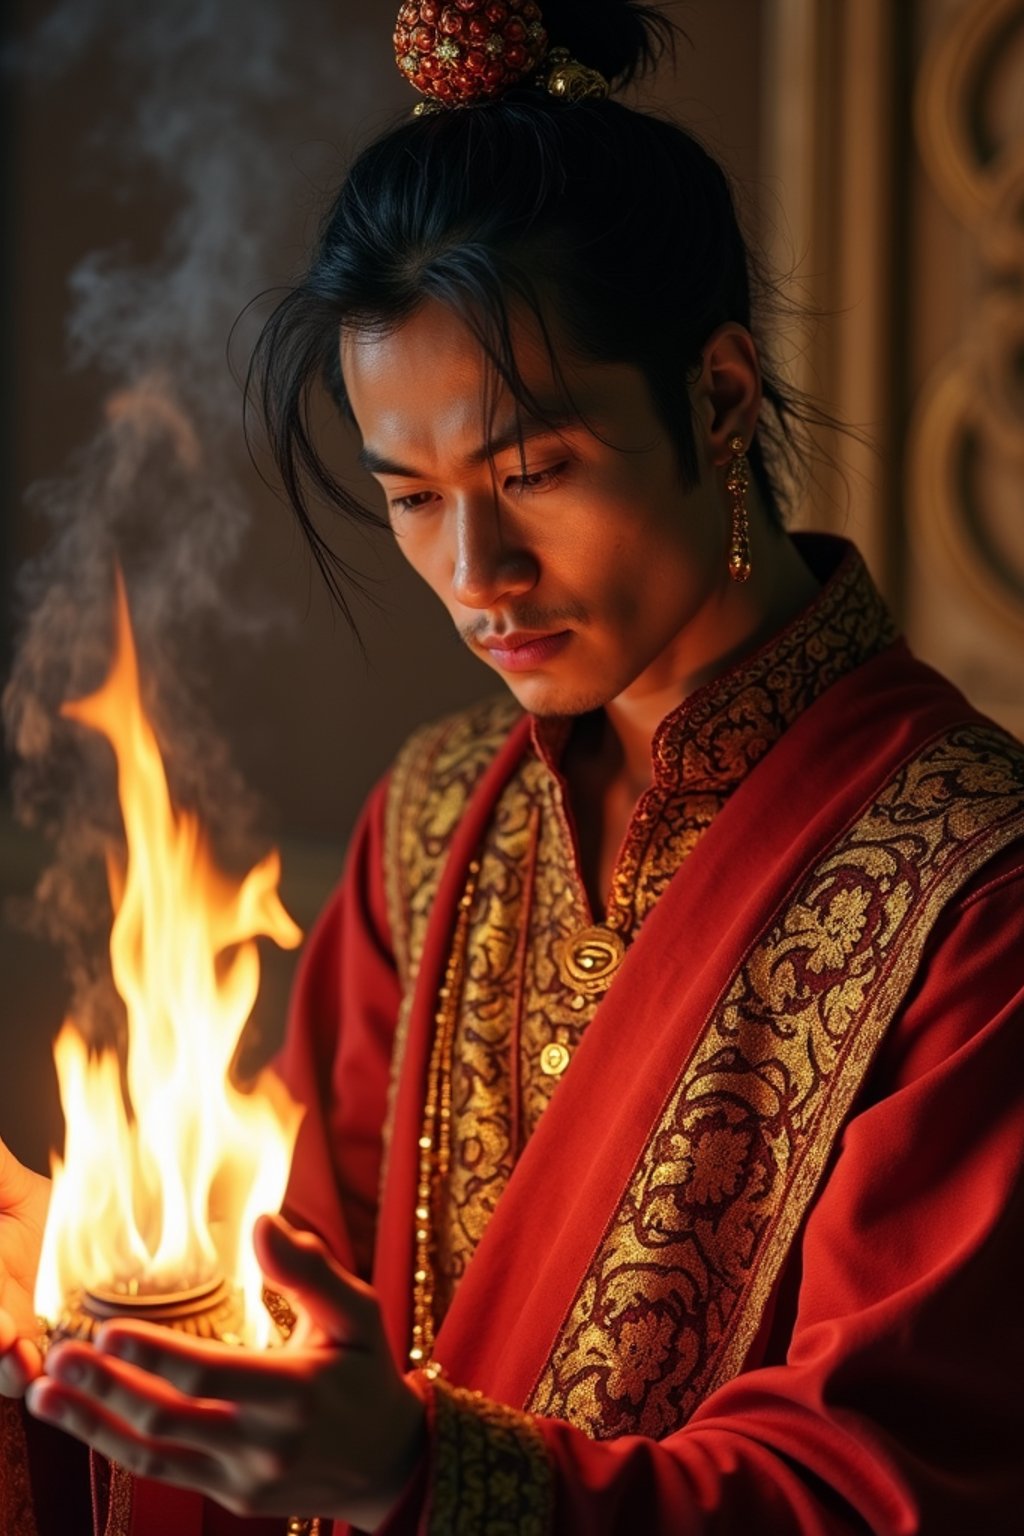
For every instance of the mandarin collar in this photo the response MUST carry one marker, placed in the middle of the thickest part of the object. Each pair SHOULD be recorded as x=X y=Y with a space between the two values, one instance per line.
x=712 y=740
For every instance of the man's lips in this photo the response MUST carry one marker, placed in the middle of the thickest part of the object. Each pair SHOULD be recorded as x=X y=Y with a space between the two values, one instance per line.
x=517 y=637
x=521 y=650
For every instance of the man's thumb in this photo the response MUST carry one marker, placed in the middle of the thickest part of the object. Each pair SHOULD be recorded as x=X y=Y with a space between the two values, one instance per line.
x=298 y=1264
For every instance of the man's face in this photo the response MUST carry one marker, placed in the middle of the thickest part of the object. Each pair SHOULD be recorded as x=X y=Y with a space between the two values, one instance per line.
x=580 y=574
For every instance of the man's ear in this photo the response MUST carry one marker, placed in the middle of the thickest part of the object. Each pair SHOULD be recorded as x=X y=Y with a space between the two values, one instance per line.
x=727 y=395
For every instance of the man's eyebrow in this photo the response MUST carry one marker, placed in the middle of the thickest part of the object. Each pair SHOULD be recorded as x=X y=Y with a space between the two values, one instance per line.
x=508 y=437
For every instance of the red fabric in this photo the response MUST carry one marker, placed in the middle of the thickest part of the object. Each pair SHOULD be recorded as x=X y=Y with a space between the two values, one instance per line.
x=882 y=1394
x=393 y=1265
x=348 y=973
x=876 y=1397
x=891 y=1402
x=159 y=1510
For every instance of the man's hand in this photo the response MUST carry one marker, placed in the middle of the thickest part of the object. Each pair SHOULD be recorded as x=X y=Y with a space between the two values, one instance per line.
x=24 y=1198
x=325 y=1425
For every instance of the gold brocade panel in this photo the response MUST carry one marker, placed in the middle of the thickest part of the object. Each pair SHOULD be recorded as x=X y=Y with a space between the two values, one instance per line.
x=520 y=1015
x=492 y=1475
x=675 y=1294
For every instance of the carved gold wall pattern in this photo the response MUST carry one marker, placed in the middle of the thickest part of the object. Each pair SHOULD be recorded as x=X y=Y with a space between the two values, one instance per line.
x=966 y=450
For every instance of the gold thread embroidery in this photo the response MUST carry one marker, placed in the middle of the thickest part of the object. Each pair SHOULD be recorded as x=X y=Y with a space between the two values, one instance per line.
x=491 y=1473
x=481 y=1128
x=713 y=740
x=16 y=1511
x=676 y=1291
x=553 y=1013
x=430 y=786
x=531 y=905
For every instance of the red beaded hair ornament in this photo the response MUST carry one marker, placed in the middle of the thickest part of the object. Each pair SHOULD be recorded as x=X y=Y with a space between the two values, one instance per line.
x=461 y=53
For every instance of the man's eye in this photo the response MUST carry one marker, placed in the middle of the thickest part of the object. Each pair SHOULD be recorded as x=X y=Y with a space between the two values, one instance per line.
x=410 y=503
x=538 y=479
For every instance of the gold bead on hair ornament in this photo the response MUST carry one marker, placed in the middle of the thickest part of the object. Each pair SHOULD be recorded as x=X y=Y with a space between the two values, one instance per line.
x=565 y=77
x=464 y=53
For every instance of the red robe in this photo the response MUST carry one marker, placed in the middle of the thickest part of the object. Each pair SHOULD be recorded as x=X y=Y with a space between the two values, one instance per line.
x=816 y=1331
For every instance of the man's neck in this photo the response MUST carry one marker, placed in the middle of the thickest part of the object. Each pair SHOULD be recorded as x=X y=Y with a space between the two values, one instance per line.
x=720 y=637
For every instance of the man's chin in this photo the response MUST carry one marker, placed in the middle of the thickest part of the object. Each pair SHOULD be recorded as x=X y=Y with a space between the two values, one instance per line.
x=548 y=697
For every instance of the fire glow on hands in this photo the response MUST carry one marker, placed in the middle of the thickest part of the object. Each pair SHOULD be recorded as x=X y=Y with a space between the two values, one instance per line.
x=324 y=1425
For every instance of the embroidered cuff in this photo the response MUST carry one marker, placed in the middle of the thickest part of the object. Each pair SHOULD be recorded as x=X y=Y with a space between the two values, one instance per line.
x=490 y=1473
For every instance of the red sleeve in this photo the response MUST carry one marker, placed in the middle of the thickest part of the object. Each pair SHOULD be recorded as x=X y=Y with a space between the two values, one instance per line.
x=894 y=1405
x=340 y=1074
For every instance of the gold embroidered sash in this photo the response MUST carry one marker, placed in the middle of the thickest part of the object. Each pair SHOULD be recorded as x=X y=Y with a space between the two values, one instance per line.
x=674 y=1296
x=672 y=1301
x=431 y=785
x=676 y=1291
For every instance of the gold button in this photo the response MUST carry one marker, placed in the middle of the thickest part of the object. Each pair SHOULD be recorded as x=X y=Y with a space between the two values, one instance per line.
x=554 y=1059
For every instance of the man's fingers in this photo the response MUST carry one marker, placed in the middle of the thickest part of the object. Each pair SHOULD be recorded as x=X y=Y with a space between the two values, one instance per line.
x=175 y=1461
x=14 y=1378
x=299 y=1264
x=198 y=1368
x=20 y=1360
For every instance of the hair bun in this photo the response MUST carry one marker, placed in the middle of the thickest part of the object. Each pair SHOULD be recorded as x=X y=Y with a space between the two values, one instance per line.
x=620 y=39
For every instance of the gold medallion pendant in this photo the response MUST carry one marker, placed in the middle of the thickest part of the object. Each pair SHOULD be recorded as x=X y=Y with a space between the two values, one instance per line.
x=589 y=959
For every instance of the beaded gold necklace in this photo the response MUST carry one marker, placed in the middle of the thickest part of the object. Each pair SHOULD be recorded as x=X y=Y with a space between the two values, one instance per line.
x=435 y=1137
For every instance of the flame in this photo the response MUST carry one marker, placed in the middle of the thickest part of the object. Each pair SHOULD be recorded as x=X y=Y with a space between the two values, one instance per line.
x=163 y=1177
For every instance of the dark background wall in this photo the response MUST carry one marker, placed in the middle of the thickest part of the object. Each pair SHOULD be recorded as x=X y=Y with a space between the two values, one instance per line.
x=309 y=722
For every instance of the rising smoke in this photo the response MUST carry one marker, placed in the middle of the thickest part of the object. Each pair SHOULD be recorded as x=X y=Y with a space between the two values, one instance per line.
x=208 y=90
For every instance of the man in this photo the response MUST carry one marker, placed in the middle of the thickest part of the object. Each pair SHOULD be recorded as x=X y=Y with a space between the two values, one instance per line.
x=658 y=1049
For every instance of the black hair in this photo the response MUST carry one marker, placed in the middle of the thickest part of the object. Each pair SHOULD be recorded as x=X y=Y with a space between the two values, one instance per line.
x=615 y=220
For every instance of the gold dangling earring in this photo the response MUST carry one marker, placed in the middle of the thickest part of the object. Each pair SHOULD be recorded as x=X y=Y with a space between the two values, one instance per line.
x=737 y=483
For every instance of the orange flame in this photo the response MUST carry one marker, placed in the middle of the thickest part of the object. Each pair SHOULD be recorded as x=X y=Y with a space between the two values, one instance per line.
x=163 y=1194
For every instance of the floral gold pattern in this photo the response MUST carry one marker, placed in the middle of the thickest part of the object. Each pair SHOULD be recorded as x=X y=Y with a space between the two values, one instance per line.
x=711 y=743
x=430 y=787
x=520 y=1006
x=491 y=1474
x=717 y=1196
x=431 y=784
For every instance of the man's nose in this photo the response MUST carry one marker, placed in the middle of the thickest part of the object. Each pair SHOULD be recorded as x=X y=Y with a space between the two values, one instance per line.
x=490 y=562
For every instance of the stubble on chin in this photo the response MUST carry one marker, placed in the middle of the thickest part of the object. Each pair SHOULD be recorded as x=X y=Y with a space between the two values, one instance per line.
x=548 y=701
x=546 y=697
